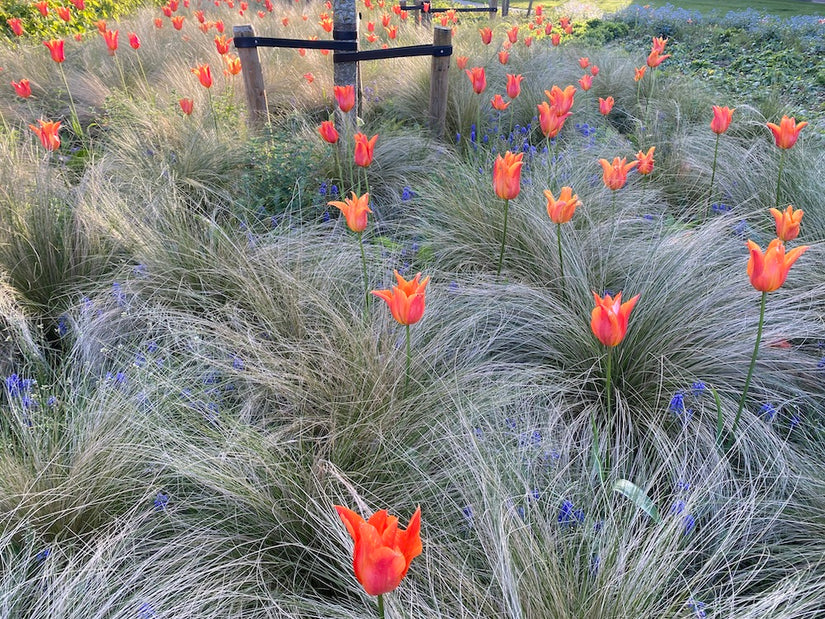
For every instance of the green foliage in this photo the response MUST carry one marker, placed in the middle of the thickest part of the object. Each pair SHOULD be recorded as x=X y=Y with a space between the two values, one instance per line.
x=51 y=26
x=600 y=32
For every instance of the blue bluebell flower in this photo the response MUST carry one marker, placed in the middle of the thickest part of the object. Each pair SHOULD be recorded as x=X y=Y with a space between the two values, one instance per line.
x=160 y=501
x=767 y=411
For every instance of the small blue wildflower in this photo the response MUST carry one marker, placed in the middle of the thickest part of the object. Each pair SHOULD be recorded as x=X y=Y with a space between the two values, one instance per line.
x=678 y=507
x=478 y=433
x=649 y=217
x=237 y=363
x=682 y=486
x=145 y=611
x=697 y=608
x=62 y=325
x=407 y=194
x=452 y=287
x=598 y=526
x=457 y=138
x=468 y=515
x=120 y=378
x=139 y=270
x=795 y=421
x=323 y=188
x=510 y=423
x=325 y=216
x=334 y=190
x=51 y=402
x=160 y=501
x=28 y=403
x=117 y=292
x=43 y=555
x=741 y=228
x=568 y=515
x=821 y=364
x=689 y=523
x=152 y=347
x=140 y=359
x=767 y=411
x=677 y=403
x=698 y=388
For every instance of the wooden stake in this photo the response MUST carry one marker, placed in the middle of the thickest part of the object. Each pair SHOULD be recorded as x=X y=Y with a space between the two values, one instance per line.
x=439 y=82
x=253 y=79
x=345 y=28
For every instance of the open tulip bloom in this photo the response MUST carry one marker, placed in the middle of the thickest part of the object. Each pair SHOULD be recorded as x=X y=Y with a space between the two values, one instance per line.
x=383 y=552
x=355 y=210
x=785 y=134
x=561 y=211
x=507 y=184
x=722 y=117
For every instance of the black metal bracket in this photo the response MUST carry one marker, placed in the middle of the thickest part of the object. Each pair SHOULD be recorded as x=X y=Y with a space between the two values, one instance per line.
x=438 y=51
x=338 y=46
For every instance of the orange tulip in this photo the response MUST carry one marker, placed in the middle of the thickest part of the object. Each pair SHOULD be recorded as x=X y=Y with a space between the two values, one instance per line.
x=110 y=36
x=64 y=13
x=355 y=210
x=56 y=49
x=186 y=105
x=406 y=300
x=645 y=161
x=222 y=44
x=177 y=22
x=555 y=38
x=499 y=103
x=204 y=74
x=507 y=175
x=328 y=131
x=134 y=40
x=512 y=34
x=158 y=22
x=768 y=271
x=486 y=35
x=605 y=105
x=309 y=77
x=562 y=210
x=787 y=222
x=345 y=96
x=22 y=88
x=550 y=122
x=787 y=132
x=615 y=174
x=233 y=64
x=586 y=81
x=528 y=41
x=594 y=70
x=514 y=85
x=721 y=119
x=609 y=318
x=364 y=149
x=654 y=59
x=48 y=133
x=584 y=62
x=461 y=62
x=43 y=7
x=478 y=79
x=659 y=45
x=503 y=56
x=382 y=553
x=640 y=73
x=16 y=26
x=561 y=100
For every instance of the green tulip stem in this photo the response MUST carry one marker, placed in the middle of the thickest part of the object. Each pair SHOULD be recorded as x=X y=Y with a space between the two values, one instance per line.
x=212 y=110
x=597 y=461
x=407 y=368
x=753 y=363
x=381 y=607
x=712 y=176
x=503 y=237
x=561 y=260
x=779 y=177
x=76 y=126
x=613 y=203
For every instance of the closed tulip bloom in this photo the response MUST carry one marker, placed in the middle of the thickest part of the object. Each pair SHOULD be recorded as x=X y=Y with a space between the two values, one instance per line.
x=48 y=133
x=605 y=105
x=787 y=222
x=640 y=73
x=645 y=161
x=43 y=7
x=550 y=122
x=16 y=25
x=309 y=77
x=610 y=317
x=768 y=271
x=477 y=78
x=186 y=105
x=461 y=62
x=787 y=132
x=528 y=41
x=22 y=88
x=659 y=44
x=594 y=70
x=64 y=13
x=721 y=119
x=555 y=38
x=503 y=56
x=56 y=49
x=328 y=131
x=233 y=64
x=562 y=210
x=364 y=149
x=654 y=59
x=486 y=35
x=110 y=36
x=586 y=81
x=561 y=100
x=345 y=96
x=615 y=174
x=134 y=40
x=177 y=22
x=512 y=34
x=514 y=85
x=499 y=103
x=507 y=175
x=383 y=552
x=406 y=300
x=204 y=74
x=355 y=210
x=584 y=62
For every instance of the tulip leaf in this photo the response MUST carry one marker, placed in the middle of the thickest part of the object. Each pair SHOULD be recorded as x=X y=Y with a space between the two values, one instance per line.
x=638 y=497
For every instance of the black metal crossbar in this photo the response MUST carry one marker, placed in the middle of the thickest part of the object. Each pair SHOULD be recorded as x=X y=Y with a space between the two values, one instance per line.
x=338 y=46
x=463 y=9
x=438 y=51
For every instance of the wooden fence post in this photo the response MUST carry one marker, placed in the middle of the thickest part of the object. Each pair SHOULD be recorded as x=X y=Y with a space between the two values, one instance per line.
x=505 y=8
x=439 y=82
x=253 y=79
x=494 y=6
x=345 y=28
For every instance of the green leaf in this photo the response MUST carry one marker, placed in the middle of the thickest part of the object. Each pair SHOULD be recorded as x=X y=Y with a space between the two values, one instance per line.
x=638 y=497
